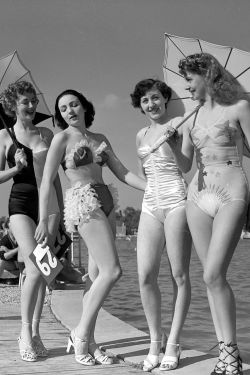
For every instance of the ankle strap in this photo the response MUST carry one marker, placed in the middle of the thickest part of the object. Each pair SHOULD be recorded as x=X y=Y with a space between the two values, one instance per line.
x=155 y=341
x=26 y=323
x=170 y=343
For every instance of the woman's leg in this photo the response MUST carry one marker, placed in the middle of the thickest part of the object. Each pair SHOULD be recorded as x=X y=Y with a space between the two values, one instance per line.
x=201 y=226
x=178 y=241
x=53 y=228
x=227 y=228
x=23 y=228
x=102 y=250
x=94 y=350
x=225 y=235
x=38 y=344
x=150 y=244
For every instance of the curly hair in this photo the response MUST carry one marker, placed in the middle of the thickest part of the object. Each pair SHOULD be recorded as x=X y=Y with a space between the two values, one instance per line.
x=87 y=105
x=148 y=84
x=222 y=86
x=9 y=96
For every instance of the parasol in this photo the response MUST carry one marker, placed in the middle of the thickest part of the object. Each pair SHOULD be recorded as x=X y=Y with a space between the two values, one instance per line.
x=12 y=70
x=236 y=61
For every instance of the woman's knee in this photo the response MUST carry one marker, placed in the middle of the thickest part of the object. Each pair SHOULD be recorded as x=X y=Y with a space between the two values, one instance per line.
x=147 y=278
x=180 y=278
x=213 y=279
x=113 y=274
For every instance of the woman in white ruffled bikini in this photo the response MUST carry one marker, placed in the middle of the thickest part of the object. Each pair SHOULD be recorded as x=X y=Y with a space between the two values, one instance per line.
x=89 y=208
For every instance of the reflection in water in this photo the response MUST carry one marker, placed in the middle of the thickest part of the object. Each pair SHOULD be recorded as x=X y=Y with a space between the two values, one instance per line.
x=124 y=300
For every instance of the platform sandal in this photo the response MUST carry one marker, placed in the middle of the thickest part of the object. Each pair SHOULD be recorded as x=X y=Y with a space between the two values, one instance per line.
x=76 y=343
x=233 y=360
x=170 y=362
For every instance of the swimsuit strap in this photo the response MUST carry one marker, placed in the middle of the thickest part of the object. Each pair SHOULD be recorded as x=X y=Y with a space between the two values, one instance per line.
x=195 y=118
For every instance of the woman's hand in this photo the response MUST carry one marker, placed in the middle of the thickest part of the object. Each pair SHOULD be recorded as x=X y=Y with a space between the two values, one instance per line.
x=20 y=159
x=42 y=233
x=170 y=133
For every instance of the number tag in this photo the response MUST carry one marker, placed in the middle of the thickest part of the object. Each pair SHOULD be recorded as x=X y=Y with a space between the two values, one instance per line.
x=62 y=243
x=46 y=262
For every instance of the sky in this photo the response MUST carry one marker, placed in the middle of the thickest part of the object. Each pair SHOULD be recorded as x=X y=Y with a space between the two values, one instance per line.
x=103 y=48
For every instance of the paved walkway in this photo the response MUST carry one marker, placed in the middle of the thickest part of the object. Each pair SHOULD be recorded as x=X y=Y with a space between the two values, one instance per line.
x=127 y=343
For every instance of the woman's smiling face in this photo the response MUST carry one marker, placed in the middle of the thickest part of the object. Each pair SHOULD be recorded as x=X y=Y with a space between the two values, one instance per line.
x=26 y=105
x=153 y=104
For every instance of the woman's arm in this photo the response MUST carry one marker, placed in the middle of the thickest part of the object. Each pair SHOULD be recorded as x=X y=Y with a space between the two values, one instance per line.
x=10 y=253
x=48 y=134
x=243 y=114
x=121 y=172
x=7 y=174
x=53 y=160
x=182 y=148
x=59 y=194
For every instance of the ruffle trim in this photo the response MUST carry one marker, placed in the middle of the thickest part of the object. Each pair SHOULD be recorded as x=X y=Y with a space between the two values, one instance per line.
x=80 y=201
x=92 y=146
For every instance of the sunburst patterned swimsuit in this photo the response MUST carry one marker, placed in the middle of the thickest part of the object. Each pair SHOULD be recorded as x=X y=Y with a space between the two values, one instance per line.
x=81 y=200
x=166 y=188
x=220 y=178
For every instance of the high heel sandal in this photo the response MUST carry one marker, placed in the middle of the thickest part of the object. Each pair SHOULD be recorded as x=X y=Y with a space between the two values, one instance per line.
x=27 y=351
x=83 y=358
x=233 y=361
x=102 y=358
x=38 y=345
x=170 y=362
x=39 y=348
x=151 y=361
x=220 y=366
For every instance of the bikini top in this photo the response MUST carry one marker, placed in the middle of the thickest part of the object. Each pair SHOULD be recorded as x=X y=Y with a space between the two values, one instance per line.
x=216 y=141
x=83 y=153
x=215 y=133
x=28 y=174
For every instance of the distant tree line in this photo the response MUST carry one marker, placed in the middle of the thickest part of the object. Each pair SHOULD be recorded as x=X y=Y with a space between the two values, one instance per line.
x=130 y=217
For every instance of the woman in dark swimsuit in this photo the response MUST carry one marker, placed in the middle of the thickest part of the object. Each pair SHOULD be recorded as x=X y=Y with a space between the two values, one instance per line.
x=89 y=208
x=26 y=167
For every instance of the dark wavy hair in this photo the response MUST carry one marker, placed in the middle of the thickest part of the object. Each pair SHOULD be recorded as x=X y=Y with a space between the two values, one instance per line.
x=9 y=96
x=222 y=86
x=148 y=84
x=87 y=105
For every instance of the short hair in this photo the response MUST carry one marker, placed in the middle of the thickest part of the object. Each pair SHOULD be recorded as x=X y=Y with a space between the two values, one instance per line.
x=148 y=84
x=9 y=96
x=87 y=105
x=223 y=87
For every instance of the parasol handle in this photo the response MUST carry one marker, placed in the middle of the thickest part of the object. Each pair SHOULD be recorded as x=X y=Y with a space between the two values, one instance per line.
x=190 y=115
x=9 y=132
x=165 y=137
x=23 y=160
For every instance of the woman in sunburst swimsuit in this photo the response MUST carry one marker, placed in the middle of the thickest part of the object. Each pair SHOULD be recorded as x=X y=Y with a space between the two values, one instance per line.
x=26 y=158
x=89 y=208
x=162 y=223
x=219 y=193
